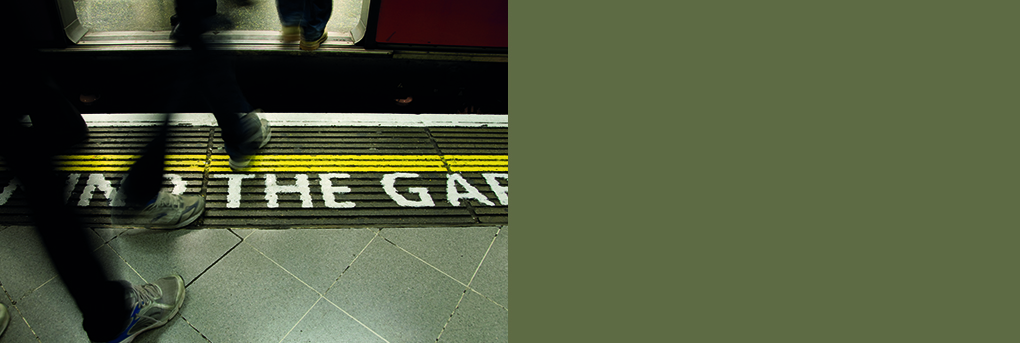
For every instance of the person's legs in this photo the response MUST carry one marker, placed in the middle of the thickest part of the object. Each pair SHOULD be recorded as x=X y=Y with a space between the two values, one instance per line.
x=100 y=300
x=145 y=177
x=199 y=8
x=54 y=115
x=316 y=16
x=141 y=200
x=242 y=130
x=224 y=97
x=189 y=21
x=28 y=155
x=313 y=27
x=291 y=12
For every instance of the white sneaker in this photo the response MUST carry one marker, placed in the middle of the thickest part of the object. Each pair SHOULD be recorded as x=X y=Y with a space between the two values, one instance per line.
x=168 y=211
x=153 y=306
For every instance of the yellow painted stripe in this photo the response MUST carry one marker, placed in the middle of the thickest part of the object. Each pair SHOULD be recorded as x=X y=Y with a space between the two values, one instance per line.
x=257 y=169
x=126 y=163
x=297 y=163
x=476 y=157
x=479 y=169
x=124 y=169
x=123 y=157
x=265 y=163
x=336 y=157
x=481 y=163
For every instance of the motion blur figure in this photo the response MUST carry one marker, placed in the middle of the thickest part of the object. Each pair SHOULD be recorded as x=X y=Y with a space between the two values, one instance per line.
x=141 y=201
x=112 y=310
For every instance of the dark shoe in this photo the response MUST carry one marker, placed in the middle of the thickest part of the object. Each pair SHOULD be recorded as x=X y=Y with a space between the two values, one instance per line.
x=190 y=32
x=184 y=35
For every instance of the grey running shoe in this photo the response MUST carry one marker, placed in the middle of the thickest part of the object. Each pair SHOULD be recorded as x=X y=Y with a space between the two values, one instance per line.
x=153 y=306
x=312 y=45
x=168 y=211
x=258 y=134
x=5 y=318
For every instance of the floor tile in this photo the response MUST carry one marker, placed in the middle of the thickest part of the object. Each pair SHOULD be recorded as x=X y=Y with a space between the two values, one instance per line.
x=492 y=279
x=315 y=256
x=477 y=320
x=116 y=267
x=326 y=323
x=175 y=331
x=455 y=251
x=52 y=314
x=26 y=264
x=242 y=295
x=396 y=295
x=157 y=253
x=244 y=233
x=246 y=298
x=107 y=234
x=17 y=330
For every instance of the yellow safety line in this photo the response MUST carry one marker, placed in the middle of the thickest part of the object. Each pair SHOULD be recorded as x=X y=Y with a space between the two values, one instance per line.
x=336 y=157
x=124 y=157
x=297 y=163
x=330 y=169
x=476 y=157
x=339 y=163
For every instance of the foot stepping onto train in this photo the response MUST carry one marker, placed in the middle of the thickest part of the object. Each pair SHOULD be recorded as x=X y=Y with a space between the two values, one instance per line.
x=256 y=135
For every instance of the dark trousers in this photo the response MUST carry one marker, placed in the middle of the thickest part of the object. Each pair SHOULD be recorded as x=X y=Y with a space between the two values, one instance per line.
x=311 y=15
x=212 y=76
x=29 y=153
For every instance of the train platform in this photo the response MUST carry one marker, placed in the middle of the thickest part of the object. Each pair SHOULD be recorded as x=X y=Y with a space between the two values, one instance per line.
x=346 y=228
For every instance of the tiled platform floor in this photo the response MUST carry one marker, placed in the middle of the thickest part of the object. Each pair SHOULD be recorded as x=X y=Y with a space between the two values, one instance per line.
x=302 y=285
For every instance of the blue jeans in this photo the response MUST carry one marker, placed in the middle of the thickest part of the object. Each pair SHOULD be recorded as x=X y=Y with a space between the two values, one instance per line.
x=310 y=15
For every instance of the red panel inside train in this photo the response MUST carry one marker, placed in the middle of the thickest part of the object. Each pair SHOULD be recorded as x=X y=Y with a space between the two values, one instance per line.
x=474 y=23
